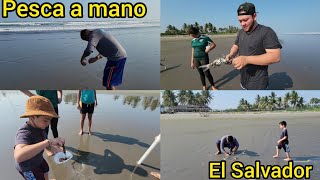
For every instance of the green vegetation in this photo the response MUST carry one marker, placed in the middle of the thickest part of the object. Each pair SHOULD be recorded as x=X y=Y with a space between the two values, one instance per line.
x=291 y=101
x=207 y=28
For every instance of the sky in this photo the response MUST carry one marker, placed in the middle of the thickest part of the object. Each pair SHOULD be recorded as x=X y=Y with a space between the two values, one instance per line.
x=230 y=99
x=153 y=10
x=285 y=16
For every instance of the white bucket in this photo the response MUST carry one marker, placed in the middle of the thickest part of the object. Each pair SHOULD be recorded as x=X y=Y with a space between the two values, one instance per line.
x=62 y=155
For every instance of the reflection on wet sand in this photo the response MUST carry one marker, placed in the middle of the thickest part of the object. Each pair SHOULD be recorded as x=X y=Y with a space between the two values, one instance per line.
x=121 y=136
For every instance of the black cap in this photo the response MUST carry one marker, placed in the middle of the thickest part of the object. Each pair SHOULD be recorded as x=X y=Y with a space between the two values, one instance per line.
x=246 y=9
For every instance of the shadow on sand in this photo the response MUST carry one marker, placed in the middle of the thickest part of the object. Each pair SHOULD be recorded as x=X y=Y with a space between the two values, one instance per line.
x=227 y=78
x=170 y=68
x=120 y=139
x=108 y=163
x=280 y=81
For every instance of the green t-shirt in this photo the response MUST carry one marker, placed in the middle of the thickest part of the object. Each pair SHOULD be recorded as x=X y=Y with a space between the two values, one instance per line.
x=52 y=95
x=199 y=45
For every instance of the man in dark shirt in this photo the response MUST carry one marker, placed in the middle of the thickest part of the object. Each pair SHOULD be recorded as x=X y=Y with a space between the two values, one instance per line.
x=283 y=142
x=258 y=46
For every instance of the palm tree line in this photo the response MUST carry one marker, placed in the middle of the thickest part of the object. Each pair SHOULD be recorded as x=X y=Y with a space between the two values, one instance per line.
x=290 y=101
x=186 y=97
x=207 y=28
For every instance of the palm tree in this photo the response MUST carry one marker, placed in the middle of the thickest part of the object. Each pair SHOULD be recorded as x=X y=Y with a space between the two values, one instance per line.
x=196 y=25
x=300 y=103
x=169 y=99
x=206 y=97
x=185 y=27
x=190 y=97
x=182 y=97
x=314 y=101
x=257 y=102
x=279 y=102
x=294 y=98
x=286 y=100
x=273 y=100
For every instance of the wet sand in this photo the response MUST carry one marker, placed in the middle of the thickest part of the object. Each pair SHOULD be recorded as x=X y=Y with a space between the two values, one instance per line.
x=295 y=71
x=188 y=141
x=123 y=128
x=33 y=59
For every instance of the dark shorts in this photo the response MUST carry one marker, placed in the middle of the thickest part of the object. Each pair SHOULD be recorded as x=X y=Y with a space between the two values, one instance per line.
x=285 y=147
x=87 y=108
x=113 y=73
x=36 y=173
x=230 y=146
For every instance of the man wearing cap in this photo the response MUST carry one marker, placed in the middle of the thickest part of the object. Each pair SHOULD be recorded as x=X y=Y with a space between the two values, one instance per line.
x=31 y=139
x=258 y=46
x=109 y=47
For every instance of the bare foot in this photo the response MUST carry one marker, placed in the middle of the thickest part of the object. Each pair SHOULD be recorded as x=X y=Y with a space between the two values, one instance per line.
x=89 y=132
x=214 y=88
x=80 y=133
x=276 y=156
x=287 y=159
x=217 y=153
x=155 y=174
x=204 y=88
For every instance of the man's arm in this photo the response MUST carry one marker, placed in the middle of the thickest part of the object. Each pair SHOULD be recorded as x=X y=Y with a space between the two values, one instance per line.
x=233 y=52
x=95 y=97
x=222 y=146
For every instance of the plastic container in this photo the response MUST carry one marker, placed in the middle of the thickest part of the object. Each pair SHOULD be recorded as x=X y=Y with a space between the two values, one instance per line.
x=62 y=155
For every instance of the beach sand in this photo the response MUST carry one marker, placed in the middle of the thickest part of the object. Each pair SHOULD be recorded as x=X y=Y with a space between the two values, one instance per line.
x=188 y=141
x=122 y=131
x=295 y=71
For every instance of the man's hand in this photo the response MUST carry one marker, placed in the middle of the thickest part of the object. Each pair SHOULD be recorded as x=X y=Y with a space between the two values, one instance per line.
x=93 y=60
x=96 y=103
x=83 y=62
x=239 y=62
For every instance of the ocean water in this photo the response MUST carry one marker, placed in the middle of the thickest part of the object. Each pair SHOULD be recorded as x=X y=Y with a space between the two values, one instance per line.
x=46 y=55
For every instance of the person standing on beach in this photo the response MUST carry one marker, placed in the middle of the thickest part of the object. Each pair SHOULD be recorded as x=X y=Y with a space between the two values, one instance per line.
x=283 y=141
x=55 y=97
x=87 y=100
x=31 y=139
x=258 y=46
x=200 y=55
x=108 y=47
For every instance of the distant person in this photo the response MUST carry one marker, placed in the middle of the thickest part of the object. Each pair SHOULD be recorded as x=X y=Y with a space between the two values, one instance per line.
x=200 y=55
x=108 y=47
x=258 y=46
x=55 y=97
x=283 y=141
x=87 y=100
x=229 y=142
x=31 y=139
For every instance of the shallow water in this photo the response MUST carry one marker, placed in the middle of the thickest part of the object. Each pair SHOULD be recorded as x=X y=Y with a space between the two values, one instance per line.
x=122 y=132
x=257 y=134
x=32 y=59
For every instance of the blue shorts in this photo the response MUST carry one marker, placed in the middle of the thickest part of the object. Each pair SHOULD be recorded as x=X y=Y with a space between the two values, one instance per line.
x=113 y=73
x=36 y=173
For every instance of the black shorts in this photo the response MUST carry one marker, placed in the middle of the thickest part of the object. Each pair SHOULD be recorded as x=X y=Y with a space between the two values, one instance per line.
x=284 y=146
x=87 y=108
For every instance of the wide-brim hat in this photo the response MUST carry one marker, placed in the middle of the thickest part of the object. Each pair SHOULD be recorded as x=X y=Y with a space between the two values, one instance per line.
x=39 y=106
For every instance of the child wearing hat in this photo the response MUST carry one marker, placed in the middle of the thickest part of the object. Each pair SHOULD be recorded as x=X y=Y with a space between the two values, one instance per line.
x=31 y=139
